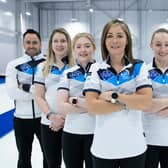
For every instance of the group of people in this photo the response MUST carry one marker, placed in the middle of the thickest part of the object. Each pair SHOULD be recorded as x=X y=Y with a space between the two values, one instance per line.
x=105 y=114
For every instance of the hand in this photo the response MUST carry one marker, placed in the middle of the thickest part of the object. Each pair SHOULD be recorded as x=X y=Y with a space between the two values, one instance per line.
x=149 y=110
x=152 y=110
x=55 y=128
x=57 y=122
x=163 y=112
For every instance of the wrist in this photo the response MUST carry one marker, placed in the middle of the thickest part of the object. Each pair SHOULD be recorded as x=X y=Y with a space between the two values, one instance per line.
x=49 y=114
x=123 y=106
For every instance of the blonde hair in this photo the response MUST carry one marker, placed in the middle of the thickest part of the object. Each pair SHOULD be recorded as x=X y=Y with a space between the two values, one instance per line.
x=50 y=57
x=86 y=35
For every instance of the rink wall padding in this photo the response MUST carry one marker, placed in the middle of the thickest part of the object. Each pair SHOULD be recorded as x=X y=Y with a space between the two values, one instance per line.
x=6 y=118
x=6 y=122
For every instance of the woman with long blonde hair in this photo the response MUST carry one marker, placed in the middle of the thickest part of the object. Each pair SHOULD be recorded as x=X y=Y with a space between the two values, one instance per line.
x=59 y=58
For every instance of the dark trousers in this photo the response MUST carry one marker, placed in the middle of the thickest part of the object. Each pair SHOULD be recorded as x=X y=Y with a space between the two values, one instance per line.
x=52 y=146
x=132 y=162
x=76 y=150
x=156 y=155
x=25 y=129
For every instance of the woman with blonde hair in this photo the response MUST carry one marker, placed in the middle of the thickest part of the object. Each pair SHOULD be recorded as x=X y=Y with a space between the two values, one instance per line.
x=79 y=124
x=58 y=59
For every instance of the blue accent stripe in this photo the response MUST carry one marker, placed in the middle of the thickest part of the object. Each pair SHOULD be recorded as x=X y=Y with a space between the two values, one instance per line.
x=2 y=79
x=6 y=118
x=6 y=122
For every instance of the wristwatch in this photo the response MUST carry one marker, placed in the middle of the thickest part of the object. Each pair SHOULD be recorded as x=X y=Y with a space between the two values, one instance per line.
x=74 y=101
x=114 y=97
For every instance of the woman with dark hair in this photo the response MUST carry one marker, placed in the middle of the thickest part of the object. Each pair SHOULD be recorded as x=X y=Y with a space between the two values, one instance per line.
x=117 y=91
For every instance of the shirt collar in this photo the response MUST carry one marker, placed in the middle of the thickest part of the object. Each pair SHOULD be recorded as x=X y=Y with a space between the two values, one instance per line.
x=154 y=63
x=36 y=57
x=86 y=69
x=126 y=62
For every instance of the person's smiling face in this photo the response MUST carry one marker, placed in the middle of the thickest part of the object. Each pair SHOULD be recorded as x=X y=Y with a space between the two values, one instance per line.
x=159 y=46
x=116 y=41
x=32 y=44
x=59 y=45
x=83 y=50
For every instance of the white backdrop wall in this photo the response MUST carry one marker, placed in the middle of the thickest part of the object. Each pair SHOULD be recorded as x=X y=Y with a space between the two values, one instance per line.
x=141 y=22
x=150 y=22
x=7 y=34
x=91 y=22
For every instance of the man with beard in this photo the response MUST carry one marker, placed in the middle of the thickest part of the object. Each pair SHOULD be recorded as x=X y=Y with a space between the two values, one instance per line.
x=20 y=82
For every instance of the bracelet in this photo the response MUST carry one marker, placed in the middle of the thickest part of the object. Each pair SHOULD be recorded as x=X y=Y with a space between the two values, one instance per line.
x=48 y=114
x=122 y=105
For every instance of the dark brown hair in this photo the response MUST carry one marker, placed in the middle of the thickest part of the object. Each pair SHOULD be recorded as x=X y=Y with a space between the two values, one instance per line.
x=125 y=28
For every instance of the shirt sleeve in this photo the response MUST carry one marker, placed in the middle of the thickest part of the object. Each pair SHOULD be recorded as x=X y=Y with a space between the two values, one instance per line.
x=39 y=77
x=92 y=82
x=143 y=79
x=64 y=82
x=11 y=84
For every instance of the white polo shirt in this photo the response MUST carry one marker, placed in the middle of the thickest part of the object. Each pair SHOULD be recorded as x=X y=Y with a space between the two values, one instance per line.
x=118 y=134
x=51 y=83
x=156 y=127
x=73 y=80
